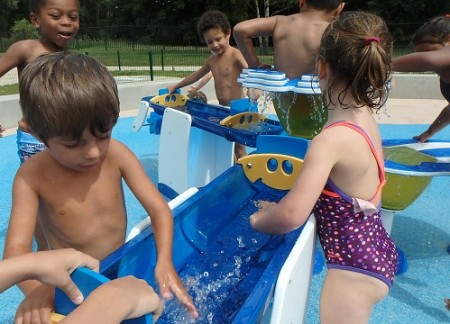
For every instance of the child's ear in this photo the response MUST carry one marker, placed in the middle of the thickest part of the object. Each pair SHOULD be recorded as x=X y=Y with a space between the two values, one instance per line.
x=339 y=9
x=321 y=69
x=447 y=40
x=35 y=21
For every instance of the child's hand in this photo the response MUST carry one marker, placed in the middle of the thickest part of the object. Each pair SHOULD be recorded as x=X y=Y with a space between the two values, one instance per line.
x=54 y=268
x=139 y=295
x=117 y=300
x=192 y=88
x=262 y=204
x=36 y=306
x=171 y=89
x=170 y=284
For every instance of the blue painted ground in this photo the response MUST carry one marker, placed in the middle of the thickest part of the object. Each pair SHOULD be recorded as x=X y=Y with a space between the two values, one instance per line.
x=422 y=231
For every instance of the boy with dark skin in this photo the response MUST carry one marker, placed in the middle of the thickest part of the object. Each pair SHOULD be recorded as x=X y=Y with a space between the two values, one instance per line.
x=58 y=22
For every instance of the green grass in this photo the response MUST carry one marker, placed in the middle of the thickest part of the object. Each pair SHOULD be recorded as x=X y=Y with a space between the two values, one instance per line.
x=127 y=56
x=9 y=89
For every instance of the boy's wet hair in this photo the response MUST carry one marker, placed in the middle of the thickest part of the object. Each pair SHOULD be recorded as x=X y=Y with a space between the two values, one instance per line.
x=324 y=4
x=434 y=31
x=357 y=46
x=213 y=19
x=36 y=5
x=62 y=94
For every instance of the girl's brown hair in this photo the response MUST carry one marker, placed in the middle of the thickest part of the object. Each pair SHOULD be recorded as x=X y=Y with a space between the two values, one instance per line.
x=62 y=94
x=358 y=47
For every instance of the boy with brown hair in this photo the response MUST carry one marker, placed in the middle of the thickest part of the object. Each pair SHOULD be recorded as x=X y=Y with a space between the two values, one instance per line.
x=70 y=102
x=225 y=63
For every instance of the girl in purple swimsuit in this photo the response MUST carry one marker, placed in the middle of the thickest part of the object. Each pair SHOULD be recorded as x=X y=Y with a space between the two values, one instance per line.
x=432 y=54
x=343 y=172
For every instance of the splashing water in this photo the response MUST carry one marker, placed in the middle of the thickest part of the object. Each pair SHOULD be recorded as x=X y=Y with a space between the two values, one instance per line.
x=300 y=114
x=220 y=279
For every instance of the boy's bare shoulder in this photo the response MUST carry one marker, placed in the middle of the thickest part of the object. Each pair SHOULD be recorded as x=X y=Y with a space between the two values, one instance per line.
x=36 y=168
x=27 y=47
x=21 y=53
x=120 y=154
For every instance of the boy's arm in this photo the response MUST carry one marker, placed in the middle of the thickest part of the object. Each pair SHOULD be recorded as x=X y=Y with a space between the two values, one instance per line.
x=191 y=78
x=38 y=297
x=204 y=80
x=50 y=267
x=161 y=220
x=23 y=218
x=14 y=56
x=245 y=31
x=117 y=300
x=423 y=61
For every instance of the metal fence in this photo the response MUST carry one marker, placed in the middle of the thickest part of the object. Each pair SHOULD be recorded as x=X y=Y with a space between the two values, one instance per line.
x=151 y=52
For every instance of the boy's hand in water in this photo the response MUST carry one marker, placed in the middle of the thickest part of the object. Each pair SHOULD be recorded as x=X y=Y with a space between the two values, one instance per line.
x=170 y=284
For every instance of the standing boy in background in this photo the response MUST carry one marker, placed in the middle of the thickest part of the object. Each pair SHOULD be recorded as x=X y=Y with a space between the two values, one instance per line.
x=296 y=38
x=296 y=41
x=58 y=23
x=76 y=182
x=225 y=63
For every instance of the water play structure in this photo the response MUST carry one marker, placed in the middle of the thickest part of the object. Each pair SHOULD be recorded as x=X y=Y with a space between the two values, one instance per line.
x=231 y=271
x=297 y=102
x=234 y=273
x=410 y=167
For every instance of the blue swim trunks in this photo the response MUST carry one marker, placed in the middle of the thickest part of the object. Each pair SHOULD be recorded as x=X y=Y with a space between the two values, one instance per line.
x=27 y=145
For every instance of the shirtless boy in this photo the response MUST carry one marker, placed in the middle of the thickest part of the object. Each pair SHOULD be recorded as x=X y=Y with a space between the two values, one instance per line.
x=296 y=41
x=58 y=23
x=225 y=63
x=70 y=102
x=296 y=38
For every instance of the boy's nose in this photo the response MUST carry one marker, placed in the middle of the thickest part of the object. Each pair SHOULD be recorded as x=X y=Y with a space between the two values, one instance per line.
x=65 y=20
x=91 y=152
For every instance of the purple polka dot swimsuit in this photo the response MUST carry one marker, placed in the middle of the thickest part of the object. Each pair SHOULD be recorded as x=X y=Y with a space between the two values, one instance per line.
x=350 y=230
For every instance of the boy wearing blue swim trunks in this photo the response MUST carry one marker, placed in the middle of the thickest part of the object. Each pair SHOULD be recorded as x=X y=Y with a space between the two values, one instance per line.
x=58 y=23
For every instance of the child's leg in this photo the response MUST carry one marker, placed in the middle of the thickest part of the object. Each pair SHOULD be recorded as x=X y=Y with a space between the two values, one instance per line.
x=348 y=297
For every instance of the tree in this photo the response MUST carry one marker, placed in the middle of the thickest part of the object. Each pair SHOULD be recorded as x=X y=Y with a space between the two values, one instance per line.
x=7 y=7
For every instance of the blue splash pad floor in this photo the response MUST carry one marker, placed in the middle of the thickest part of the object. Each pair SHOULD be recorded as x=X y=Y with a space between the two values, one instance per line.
x=422 y=231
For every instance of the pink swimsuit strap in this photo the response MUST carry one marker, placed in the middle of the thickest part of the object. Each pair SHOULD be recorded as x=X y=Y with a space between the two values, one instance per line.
x=380 y=162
